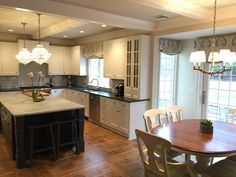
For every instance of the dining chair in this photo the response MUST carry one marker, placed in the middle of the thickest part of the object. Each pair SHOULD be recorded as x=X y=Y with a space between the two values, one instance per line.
x=174 y=113
x=153 y=118
x=223 y=168
x=155 y=162
x=232 y=112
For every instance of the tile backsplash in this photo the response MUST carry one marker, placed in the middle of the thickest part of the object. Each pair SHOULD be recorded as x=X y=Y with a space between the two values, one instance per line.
x=10 y=82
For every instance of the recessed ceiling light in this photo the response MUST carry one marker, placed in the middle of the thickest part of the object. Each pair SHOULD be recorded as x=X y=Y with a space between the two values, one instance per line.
x=81 y=31
x=10 y=30
x=25 y=10
x=65 y=36
x=104 y=25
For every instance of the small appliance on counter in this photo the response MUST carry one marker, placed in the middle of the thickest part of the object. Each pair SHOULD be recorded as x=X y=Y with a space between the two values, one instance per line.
x=120 y=90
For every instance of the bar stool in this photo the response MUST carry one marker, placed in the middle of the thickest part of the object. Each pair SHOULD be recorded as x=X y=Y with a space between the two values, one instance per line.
x=52 y=146
x=74 y=134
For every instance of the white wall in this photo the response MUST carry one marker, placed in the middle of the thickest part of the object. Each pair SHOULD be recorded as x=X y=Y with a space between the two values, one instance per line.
x=187 y=82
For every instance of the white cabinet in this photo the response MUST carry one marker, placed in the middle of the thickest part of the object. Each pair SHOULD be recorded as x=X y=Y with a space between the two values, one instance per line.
x=9 y=63
x=55 y=63
x=79 y=63
x=58 y=92
x=114 y=58
x=137 y=67
x=80 y=98
x=83 y=99
x=67 y=61
x=60 y=61
x=115 y=114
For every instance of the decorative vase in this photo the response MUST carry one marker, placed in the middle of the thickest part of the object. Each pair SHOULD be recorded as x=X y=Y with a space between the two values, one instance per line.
x=206 y=129
x=37 y=96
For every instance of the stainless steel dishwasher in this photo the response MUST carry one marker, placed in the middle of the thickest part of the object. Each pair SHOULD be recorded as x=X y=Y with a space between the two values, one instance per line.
x=94 y=108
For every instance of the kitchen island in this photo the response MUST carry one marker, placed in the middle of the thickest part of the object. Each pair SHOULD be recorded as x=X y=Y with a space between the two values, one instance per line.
x=18 y=111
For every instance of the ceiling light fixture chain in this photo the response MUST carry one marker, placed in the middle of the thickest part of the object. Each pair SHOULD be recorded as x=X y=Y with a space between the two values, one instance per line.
x=224 y=58
x=39 y=28
x=24 y=23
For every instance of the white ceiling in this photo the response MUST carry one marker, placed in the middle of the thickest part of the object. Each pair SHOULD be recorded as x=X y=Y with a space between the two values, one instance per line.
x=12 y=19
x=88 y=28
x=191 y=18
x=121 y=7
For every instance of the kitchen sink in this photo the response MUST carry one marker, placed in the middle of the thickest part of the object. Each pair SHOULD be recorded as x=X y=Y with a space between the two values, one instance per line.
x=91 y=91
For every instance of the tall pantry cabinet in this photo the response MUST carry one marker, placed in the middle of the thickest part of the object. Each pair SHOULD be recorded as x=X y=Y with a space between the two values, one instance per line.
x=137 y=64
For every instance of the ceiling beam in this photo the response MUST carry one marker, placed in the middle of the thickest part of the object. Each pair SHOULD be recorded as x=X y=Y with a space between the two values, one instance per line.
x=184 y=8
x=71 y=11
x=62 y=26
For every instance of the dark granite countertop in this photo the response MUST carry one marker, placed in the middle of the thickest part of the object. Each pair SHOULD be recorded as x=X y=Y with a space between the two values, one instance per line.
x=90 y=91
x=107 y=94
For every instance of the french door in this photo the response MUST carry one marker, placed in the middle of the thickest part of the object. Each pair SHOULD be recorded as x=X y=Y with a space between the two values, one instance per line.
x=219 y=94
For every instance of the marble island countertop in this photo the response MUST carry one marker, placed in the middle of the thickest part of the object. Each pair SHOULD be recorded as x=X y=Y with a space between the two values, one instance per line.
x=21 y=105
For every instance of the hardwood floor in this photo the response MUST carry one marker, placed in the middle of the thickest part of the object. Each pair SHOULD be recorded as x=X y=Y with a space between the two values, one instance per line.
x=106 y=155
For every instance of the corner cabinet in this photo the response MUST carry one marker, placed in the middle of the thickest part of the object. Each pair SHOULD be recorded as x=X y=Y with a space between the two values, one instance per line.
x=137 y=67
x=114 y=58
x=9 y=63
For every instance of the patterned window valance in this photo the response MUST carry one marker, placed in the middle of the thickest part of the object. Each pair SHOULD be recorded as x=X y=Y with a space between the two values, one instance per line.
x=169 y=46
x=94 y=50
x=221 y=42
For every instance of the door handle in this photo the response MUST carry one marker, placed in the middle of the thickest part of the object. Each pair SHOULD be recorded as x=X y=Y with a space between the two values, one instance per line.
x=203 y=97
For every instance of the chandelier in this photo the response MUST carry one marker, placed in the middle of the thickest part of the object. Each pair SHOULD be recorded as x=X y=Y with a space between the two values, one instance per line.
x=39 y=53
x=24 y=56
x=218 y=62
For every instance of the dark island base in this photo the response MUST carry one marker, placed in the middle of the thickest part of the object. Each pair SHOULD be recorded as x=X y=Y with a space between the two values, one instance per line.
x=17 y=135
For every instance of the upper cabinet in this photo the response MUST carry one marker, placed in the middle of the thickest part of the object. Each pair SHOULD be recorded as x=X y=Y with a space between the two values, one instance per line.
x=114 y=58
x=79 y=63
x=66 y=61
x=9 y=63
x=137 y=64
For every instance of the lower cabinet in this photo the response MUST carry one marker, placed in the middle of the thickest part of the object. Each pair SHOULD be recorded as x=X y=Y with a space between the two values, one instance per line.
x=115 y=114
x=122 y=117
x=80 y=98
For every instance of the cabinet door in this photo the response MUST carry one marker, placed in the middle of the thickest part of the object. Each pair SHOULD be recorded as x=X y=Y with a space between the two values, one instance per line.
x=55 y=63
x=67 y=68
x=9 y=65
x=108 y=60
x=114 y=54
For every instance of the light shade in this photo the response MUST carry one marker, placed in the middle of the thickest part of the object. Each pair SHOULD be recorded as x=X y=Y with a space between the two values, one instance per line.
x=198 y=56
x=40 y=54
x=24 y=56
x=215 y=56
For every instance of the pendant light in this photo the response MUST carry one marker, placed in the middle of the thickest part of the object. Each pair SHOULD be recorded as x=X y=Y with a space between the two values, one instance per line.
x=219 y=62
x=39 y=53
x=24 y=56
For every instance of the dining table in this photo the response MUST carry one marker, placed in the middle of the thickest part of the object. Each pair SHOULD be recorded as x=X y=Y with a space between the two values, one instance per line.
x=186 y=137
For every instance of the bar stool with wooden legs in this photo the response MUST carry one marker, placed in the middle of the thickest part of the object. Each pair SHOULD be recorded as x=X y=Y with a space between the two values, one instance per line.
x=72 y=121
x=33 y=144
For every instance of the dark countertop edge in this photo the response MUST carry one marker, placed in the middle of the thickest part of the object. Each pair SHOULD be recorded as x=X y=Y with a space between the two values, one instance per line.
x=82 y=89
x=110 y=95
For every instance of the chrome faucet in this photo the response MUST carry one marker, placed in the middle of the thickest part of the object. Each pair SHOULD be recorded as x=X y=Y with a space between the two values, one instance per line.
x=95 y=80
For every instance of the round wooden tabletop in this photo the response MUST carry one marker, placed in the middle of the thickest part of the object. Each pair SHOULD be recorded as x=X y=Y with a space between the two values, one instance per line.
x=185 y=136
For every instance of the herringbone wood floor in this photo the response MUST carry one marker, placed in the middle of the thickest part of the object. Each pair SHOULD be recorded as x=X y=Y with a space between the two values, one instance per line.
x=106 y=155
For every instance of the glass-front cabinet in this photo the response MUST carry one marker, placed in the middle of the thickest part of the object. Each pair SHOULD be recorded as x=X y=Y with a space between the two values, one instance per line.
x=137 y=64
